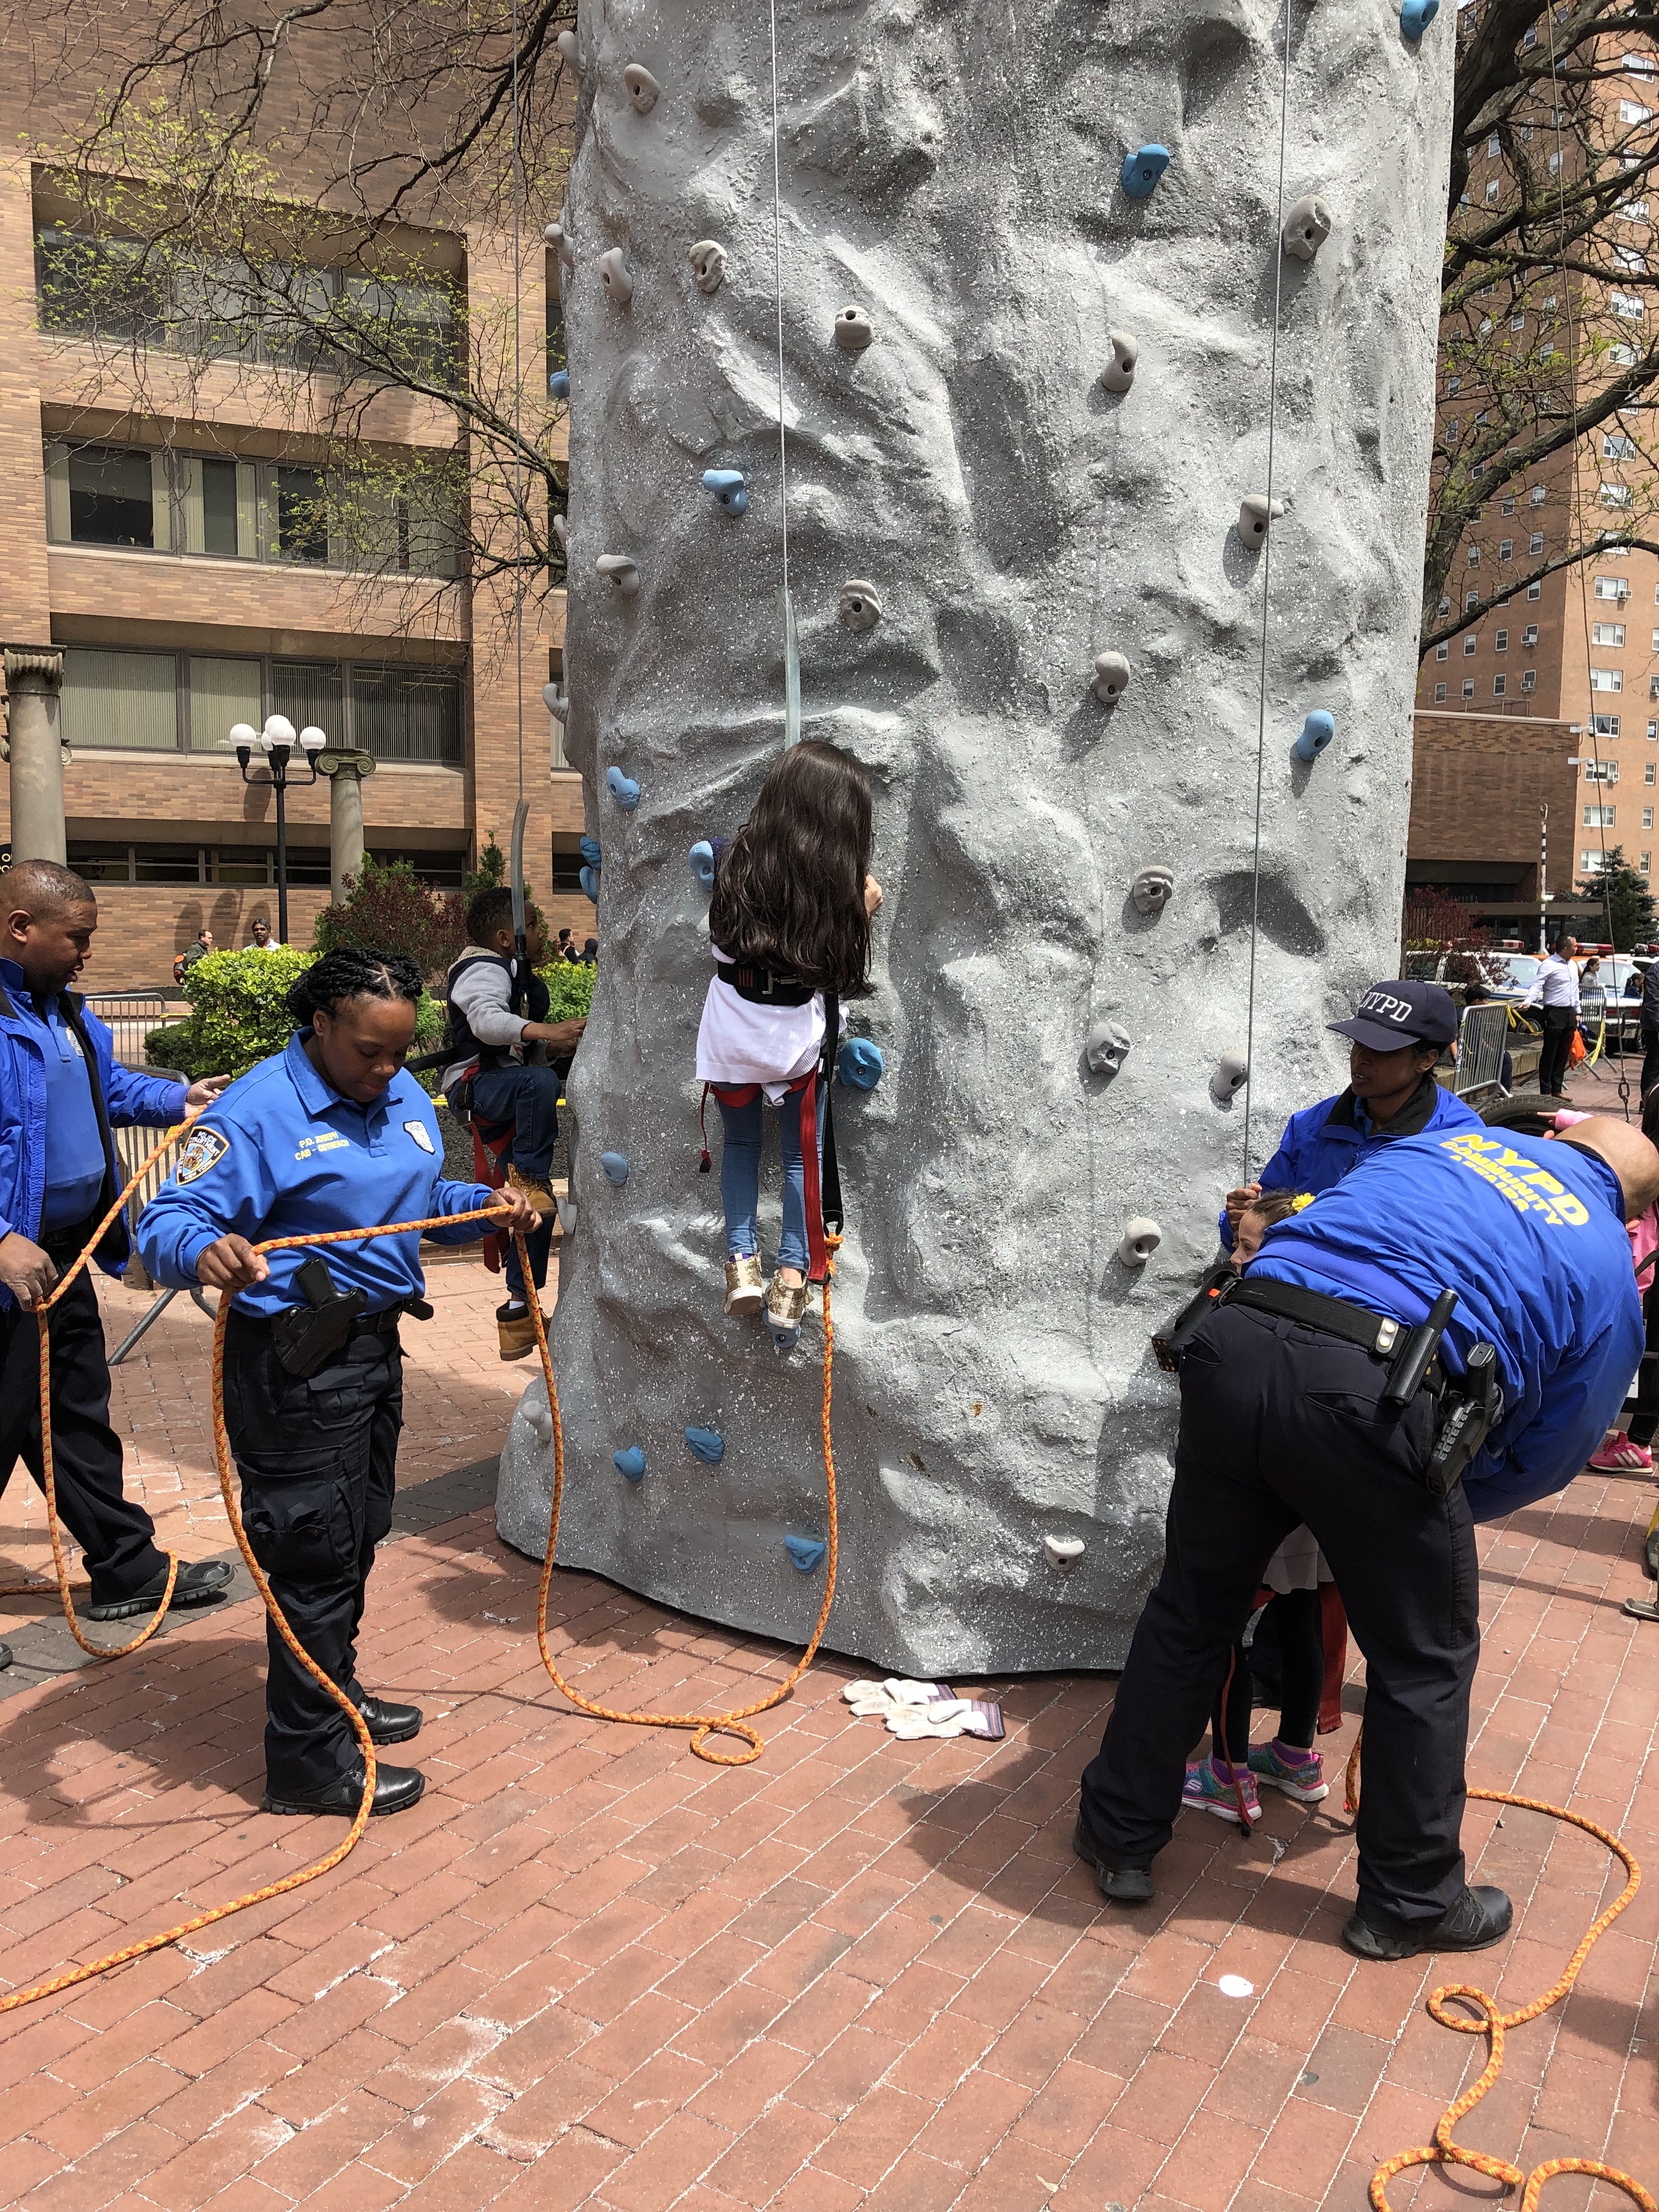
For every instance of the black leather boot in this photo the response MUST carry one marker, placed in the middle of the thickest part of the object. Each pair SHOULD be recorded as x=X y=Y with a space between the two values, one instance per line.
x=396 y=1789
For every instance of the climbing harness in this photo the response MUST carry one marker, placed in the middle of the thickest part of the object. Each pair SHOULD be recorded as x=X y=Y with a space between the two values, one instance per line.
x=1494 y=2024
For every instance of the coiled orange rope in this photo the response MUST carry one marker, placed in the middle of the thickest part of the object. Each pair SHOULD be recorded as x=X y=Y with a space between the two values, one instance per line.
x=1493 y=2025
x=704 y=1725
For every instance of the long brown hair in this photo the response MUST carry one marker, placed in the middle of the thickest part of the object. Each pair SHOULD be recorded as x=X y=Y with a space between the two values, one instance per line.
x=789 y=893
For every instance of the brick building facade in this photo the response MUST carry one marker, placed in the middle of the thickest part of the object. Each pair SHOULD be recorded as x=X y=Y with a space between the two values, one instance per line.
x=167 y=642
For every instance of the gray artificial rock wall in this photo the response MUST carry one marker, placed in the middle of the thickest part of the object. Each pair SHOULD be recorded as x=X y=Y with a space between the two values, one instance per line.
x=953 y=170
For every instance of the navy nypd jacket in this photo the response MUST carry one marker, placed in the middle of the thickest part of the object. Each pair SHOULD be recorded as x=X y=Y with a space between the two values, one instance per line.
x=281 y=1153
x=1530 y=1234
x=1322 y=1143
x=122 y=1098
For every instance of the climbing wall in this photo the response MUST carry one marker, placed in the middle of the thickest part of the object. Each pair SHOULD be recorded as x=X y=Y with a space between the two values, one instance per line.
x=1032 y=258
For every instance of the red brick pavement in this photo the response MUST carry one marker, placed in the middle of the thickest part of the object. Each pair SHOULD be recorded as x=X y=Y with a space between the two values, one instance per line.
x=588 y=1971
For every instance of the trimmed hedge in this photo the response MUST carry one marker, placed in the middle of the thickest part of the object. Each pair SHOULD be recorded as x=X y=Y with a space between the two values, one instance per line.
x=238 y=1016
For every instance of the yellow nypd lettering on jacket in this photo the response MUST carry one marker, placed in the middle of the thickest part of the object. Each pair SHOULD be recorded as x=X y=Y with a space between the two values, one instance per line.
x=1528 y=1187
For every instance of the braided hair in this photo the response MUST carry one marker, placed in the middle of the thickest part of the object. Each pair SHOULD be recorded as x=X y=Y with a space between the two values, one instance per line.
x=352 y=971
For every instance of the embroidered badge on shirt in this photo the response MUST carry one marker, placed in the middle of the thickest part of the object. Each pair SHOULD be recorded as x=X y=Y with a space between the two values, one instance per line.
x=418 y=1130
x=204 y=1149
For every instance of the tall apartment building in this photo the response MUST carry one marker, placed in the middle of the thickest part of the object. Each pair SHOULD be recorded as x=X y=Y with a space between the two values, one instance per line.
x=174 y=556
x=1581 y=647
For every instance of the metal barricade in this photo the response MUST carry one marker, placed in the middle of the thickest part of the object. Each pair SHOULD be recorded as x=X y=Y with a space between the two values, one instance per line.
x=130 y=1016
x=1481 y=1045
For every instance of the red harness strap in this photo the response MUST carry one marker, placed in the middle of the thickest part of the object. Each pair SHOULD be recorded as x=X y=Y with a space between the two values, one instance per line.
x=805 y=1088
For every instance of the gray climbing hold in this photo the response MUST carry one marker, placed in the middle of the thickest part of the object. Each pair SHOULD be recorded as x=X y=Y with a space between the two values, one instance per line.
x=706 y=1444
x=1306 y=228
x=859 y=607
x=805 y=1550
x=728 y=488
x=853 y=330
x=1140 y=1239
x=630 y=1461
x=566 y=43
x=621 y=572
x=1142 y=169
x=1106 y=1048
x=1232 y=1072
x=1111 y=677
x=1255 y=512
x=1064 y=1551
x=561 y=528
x=702 y=863
x=556 y=703
x=1416 y=16
x=1317 y=730
x=616 y=276
x=567 y=1207
x=539 y=1418
x=860 y=1065
x=1119 y=373
x=615 y=1168
x=562 y=242
x=642 y=88
x=708 y=264
x=558 y=384
x=623 y=789
x=1152 y=888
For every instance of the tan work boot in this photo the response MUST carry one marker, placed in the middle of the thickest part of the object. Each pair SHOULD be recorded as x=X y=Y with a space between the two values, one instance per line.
x=785 y=1303
x=745 y=1290
x=516 y=1332
x=536 y=1188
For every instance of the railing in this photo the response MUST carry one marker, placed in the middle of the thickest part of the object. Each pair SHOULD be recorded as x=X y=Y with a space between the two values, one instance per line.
x=131 y=1147
x=130 y=1017
x=1481 y=1046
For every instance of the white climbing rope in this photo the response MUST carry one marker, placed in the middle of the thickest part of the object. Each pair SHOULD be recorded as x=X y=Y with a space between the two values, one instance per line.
x=791 y=649
x=1267 y=573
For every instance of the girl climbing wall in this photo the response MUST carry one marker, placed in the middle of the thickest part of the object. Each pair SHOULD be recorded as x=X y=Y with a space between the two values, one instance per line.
x=789 y=925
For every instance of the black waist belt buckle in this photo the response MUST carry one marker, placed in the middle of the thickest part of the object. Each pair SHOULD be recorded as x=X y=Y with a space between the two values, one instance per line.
x=306 y=1337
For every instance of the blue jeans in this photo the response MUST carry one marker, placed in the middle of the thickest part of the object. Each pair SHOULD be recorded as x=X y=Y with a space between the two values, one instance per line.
x=528 y=1097
x=740 y=1163
x=538 y=1244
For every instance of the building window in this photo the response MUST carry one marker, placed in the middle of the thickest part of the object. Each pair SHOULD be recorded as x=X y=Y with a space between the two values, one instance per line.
x=406 y=714
x=112 y=497
x=1601 y=771
x=1631 y=111
x=1618 y=495
x=1505 y=548
x=1475 y=557
x=1498 y=684
x=1538 y=494
x=129 y=699
x=1470 y=642
x=1606 y=725
x=1507 y=506
x=1616 y=447
x=1535 y=542
x=1647 y=817
x=1535 y=590
x=1442 y=650
x=1529 y=636
x=1648 y=772
x=1439 y=695
x=1454 y=386
x=1600 y=817
x=302 y=517
x=1471 y=601
x=1592 y=862
x=1529 y=679
x=1607 y=633
x=1616 y=588
x=1607 y=679
x=1469 y=687
x=1643 y=865
x=1445 y=605
x=1500 y=641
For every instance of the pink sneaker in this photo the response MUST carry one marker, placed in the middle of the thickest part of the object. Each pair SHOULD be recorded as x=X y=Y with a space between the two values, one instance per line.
x=1619 y=1456
x=1213 y=1791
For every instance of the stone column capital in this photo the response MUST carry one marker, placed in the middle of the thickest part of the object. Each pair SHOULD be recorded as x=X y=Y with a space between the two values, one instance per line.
x=344 y=761
x=35 y=668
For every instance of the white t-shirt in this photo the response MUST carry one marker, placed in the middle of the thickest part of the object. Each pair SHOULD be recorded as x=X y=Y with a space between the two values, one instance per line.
x=739 y=1042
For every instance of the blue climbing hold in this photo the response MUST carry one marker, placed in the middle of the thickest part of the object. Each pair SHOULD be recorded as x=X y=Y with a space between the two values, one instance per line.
x=805 y=1550
x=702 y=863
x=861 y=1066
x=623 y=789
x=1316 y=734
x=706 y=1444
x=728 y=486
x=630 y=1463
x=559 y=383
x=616 y=1167
x=591 y=852
x=1143 y=168
x=589 y=880
x=1416 y=16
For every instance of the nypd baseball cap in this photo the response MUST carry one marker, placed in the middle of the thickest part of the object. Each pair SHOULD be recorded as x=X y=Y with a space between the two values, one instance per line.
x=1391 y=1016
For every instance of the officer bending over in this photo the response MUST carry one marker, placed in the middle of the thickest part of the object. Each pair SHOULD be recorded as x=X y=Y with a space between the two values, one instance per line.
x=1396 y=1036
x=332 y=1134
x=61 y=1092
x=1289 y=1413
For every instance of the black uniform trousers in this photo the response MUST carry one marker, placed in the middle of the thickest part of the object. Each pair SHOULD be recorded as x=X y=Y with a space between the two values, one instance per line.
x=1280 y=1424
x=115 y=1533
x=317 y=1457
x=1559 y=1022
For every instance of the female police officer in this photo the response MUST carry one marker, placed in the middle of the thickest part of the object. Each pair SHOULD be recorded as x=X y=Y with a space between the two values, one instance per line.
x=332 y=1134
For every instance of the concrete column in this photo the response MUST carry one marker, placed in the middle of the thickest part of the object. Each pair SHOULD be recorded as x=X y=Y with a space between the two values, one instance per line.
x=345 y=771
x=35 y=685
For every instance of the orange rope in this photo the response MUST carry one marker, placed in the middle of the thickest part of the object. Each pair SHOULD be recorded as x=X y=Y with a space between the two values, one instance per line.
x=1493 y=2025
x=703 y=1725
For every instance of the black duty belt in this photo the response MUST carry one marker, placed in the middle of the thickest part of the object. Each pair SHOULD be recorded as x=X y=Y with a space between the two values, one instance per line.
x=762 y=987
x=1377 y=1334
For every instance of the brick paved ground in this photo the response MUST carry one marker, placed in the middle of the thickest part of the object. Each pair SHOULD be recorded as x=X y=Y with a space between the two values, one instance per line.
x=589 y=1971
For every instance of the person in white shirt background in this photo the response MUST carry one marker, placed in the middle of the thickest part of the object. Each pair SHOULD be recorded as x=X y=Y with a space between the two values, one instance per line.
x=1555 y=993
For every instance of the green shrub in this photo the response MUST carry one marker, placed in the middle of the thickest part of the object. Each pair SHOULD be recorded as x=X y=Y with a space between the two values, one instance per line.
x=239 y=1017
x=392 y=909
x=570 y=990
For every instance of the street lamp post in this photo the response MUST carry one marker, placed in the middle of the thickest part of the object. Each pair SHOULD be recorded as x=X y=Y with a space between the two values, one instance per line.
x=277 y=741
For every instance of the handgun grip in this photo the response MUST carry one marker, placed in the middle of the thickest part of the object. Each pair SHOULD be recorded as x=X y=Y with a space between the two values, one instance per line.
x=1411 y=1361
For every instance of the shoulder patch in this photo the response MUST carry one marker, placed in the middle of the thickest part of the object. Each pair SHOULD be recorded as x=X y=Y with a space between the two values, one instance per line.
x=418 y=1130
x=204 y=1149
